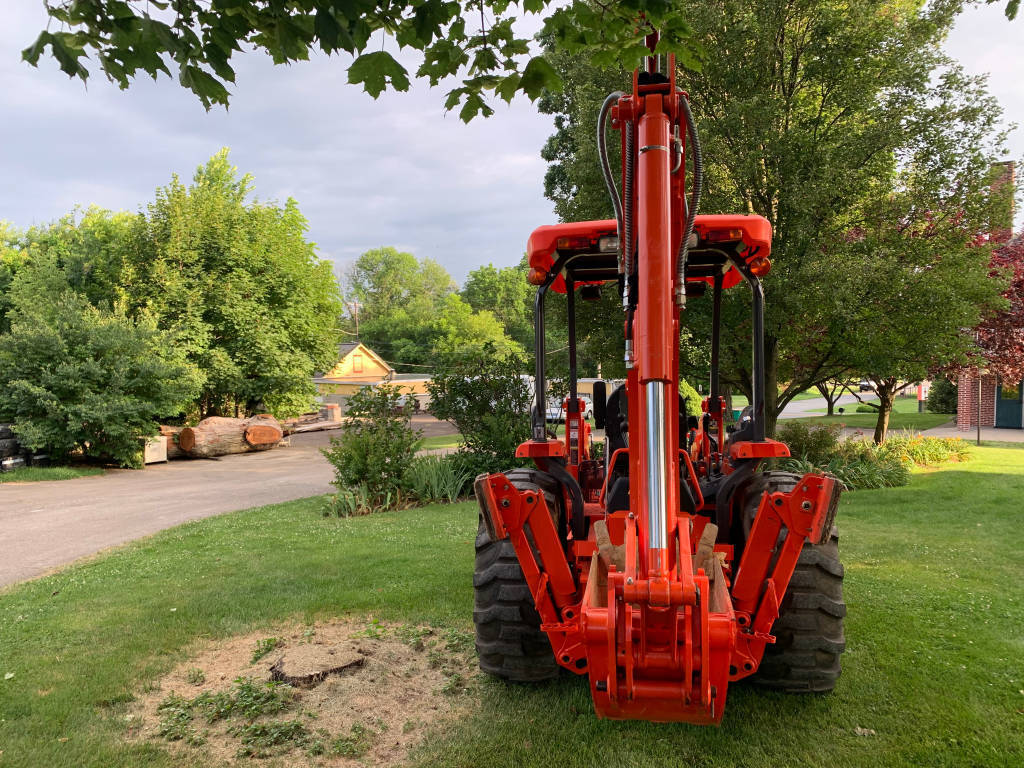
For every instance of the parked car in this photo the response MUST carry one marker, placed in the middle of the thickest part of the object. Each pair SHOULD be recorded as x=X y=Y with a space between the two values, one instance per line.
x=556 y=409
x=865 y=386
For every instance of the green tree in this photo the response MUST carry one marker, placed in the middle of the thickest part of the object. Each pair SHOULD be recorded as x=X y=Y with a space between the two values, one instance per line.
x=507 y=295
x=930 y=279
x=89 y=248
x=252 y=306
x=807 y=112
x=473 y=43
x=485 y=396
x=12 y=257
x=399 y=298
x=74 y=378
x=460 y=332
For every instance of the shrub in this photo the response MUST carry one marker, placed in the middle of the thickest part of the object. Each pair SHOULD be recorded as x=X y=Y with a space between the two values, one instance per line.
x=861 y=464
x=76 y=379
x=917 y=449
x=865 y=408
x=376 y=446
x=354 y=502
x=693 y=398
x=942 y=396
x=437 y=478
x=489 y=402
x=815 y=442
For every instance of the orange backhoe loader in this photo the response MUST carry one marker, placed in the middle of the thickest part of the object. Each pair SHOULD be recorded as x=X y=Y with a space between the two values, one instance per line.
x=675 y=564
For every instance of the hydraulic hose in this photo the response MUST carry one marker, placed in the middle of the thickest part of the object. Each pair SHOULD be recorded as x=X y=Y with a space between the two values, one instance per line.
x=627 y=217
x=602 y=151
x=698 y=182
x=621 y=204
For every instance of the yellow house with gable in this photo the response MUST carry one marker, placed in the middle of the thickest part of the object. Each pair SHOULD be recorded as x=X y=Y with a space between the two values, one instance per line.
x=359 y=366
x=357 y=362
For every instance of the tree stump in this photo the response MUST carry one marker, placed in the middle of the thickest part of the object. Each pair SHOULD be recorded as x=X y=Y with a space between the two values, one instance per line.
x=305 y=666
x=220 y=436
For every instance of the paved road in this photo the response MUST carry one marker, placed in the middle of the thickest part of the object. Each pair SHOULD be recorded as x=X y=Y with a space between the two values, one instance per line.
x=44 y=525
x=798 y=409
x=49 y=524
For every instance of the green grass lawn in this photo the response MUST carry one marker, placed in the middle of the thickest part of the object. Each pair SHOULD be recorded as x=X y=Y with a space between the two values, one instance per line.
x=904 y=416
x=39 y=474
x=440 y=441
x=740 y=401
x=934 y=665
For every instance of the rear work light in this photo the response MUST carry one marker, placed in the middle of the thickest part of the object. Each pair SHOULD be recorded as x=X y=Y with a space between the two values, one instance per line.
x=608 y=244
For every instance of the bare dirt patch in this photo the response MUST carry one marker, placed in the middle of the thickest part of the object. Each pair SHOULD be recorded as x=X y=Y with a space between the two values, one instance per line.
x=363 y=692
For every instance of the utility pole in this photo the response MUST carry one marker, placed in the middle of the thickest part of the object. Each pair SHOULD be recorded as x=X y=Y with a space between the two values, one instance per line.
x=353 y=307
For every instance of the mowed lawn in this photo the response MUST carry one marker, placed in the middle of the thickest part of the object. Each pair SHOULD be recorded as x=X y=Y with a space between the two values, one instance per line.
x=904 y=415
x=933 y=675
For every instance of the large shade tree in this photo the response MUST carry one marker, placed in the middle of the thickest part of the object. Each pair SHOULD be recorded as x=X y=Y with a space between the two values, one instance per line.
x=809 y=114
x=239 y=285
x=471 y=46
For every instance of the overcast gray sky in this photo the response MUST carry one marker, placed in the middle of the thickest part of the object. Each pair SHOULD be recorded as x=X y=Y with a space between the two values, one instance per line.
x=396 y=171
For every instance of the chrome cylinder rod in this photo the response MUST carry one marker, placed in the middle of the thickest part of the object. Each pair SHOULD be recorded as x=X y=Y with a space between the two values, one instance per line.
x=657 y=466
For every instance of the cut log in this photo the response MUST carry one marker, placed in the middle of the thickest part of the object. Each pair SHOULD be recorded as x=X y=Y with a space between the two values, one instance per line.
x=6 y=433
x=173 y=449
x=220 y=436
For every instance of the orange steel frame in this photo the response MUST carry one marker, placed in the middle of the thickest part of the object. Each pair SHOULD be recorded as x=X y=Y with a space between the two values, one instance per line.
x=659 y=640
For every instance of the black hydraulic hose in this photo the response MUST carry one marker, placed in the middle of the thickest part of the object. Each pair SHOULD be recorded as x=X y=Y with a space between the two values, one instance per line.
x=698 y=184
x=627 y=204
x=602 y=151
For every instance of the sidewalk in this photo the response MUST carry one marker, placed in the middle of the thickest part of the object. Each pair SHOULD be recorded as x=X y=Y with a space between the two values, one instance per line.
x=988 y=434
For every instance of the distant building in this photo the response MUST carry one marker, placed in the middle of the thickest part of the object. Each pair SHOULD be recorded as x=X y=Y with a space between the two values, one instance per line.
x=359 y=366
x=1000 y=402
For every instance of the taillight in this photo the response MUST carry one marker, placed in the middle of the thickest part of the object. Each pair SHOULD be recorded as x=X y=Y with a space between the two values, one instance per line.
x=573 y=243
x=761 y=266
x=723 y=235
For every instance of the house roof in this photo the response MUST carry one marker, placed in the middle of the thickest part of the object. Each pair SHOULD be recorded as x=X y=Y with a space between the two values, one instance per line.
x=344 y=349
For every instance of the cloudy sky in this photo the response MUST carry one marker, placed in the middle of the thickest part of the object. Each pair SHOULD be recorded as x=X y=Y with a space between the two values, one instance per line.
x=396 y=171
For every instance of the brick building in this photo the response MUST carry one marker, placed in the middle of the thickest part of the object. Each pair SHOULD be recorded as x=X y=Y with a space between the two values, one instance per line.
x=1001 y=401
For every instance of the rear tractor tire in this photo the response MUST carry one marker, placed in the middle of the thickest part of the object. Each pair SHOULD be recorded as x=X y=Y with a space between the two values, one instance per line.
x=809 y=637
x=509 y=641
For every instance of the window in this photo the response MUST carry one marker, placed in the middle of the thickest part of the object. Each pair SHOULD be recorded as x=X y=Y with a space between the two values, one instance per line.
x=357 y=363
x=1010 y=392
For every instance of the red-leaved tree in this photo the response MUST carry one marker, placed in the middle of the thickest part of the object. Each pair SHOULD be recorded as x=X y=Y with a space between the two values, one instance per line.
x=1001 y=336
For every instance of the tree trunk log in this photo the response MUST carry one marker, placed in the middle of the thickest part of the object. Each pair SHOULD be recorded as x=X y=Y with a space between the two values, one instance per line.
x=220 y=436
x=173 y=449
x=886 y=389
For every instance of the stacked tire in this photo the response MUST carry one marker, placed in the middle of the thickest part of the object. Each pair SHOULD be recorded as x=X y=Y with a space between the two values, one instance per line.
x=13 y=455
